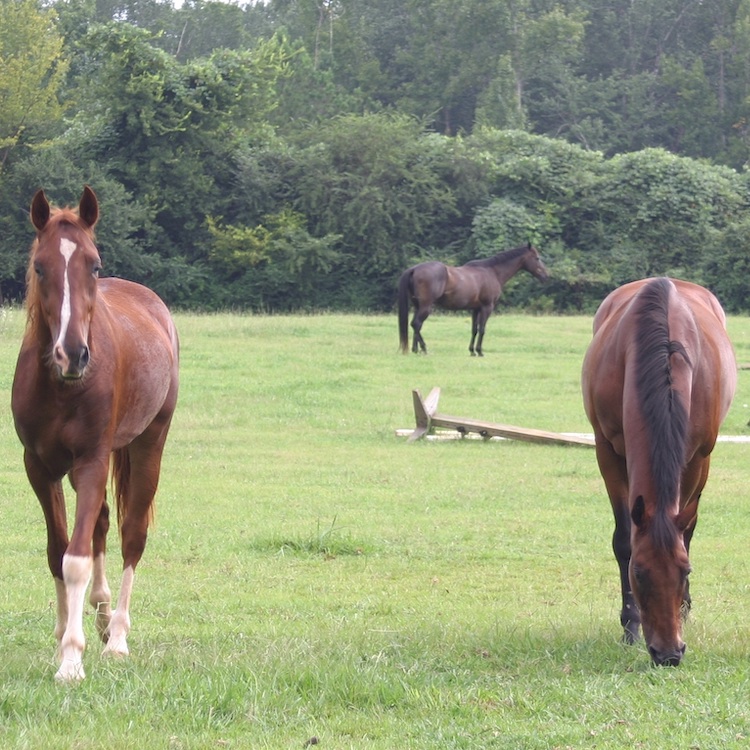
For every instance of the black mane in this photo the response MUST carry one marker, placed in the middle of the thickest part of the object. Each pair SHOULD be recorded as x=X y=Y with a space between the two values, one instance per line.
x=500 y=258
x=665 y=415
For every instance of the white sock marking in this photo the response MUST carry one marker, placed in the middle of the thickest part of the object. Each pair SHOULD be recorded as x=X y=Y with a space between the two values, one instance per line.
x=119 y=625
x=76 y=574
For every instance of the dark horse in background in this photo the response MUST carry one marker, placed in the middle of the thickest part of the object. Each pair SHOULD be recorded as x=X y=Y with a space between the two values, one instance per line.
x=658 y=379
x=96 y=378
x=475 y=286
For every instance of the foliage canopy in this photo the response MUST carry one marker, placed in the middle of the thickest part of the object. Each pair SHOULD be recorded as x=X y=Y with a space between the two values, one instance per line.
x=299 y=155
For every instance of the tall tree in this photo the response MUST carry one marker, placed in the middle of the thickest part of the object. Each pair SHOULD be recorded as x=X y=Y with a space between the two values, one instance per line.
x=32 y=68
x=167 y=131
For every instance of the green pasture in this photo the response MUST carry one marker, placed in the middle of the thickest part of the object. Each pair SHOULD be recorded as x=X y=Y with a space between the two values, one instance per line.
x=314 y=580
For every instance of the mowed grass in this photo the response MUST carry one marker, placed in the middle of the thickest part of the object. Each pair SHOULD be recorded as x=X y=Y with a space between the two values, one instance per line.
x=312 y=579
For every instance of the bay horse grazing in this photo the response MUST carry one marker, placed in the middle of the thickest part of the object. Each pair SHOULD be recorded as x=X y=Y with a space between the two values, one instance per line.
x=475 y=286
x=658 y=379
x=97 y=377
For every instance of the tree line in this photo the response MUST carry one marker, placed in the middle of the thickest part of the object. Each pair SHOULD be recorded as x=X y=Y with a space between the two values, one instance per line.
x=299 y=154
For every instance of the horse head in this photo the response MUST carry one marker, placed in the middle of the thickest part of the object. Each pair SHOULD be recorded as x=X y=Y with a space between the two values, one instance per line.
x=658 y=573
x=62 y=280
x=532 y=262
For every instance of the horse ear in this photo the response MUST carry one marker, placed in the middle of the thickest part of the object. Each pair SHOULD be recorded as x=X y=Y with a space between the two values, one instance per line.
x=687 y=516
x=638 y=514
x=88 y=208
x=39 y=211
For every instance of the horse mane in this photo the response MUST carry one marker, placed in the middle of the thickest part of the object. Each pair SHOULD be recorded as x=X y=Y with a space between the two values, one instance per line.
x=58 y=217
x=665 y=415
x=500 y=258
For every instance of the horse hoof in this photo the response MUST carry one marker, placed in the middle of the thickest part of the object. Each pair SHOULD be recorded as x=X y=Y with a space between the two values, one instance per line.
x=629 y=637
x=70 y=672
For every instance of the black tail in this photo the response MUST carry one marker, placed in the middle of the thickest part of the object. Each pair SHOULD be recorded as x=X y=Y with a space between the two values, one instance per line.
x=403 y=309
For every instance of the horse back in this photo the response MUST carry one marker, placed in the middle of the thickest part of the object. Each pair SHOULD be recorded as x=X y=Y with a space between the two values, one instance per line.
x=469 y=287
x=705 y=377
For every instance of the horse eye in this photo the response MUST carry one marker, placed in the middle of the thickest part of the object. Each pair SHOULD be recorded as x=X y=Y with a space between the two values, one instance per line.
x=96 y=269
x=640 y=576
x=38 y=270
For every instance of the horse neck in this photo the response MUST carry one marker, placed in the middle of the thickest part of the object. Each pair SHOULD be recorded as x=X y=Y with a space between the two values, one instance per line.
x=506 y=268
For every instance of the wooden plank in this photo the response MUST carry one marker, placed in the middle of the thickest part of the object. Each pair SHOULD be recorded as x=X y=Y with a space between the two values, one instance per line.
x=490 y=429
x=427 y=418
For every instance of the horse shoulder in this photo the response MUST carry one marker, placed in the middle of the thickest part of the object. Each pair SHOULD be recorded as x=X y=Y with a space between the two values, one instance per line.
x=28 y=396
x=603 y=375
x=479 y=284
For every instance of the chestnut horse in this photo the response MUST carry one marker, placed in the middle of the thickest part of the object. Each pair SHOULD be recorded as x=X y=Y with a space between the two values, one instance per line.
x=658 y=379
x=475 y=286
x=96 y=377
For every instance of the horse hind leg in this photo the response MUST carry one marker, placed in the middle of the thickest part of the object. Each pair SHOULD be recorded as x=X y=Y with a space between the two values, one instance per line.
x=140 y=464
x=100 y=596
x=118 y=628
x=474 y=316
x=417 y=321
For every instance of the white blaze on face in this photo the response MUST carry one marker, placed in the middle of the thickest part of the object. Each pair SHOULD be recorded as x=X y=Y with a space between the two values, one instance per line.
x=67 y=248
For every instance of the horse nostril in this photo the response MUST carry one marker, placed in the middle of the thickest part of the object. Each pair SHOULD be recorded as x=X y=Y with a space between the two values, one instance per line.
x=83 y=357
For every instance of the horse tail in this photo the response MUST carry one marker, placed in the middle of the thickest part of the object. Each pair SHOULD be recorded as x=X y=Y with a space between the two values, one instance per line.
x=404 y=285
x=121 y=482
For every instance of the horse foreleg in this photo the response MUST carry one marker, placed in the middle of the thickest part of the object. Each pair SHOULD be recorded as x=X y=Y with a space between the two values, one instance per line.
x=89 y=480
x=695 y=476
x=52 y=500
x=76 y=576
x=630 y=617
x=480 y=323
x=614 y=472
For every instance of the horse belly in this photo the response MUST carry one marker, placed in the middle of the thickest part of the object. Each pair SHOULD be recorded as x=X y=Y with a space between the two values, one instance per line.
x=603 y=378
x=151 y=375
x=141 y=411
x=464 y=296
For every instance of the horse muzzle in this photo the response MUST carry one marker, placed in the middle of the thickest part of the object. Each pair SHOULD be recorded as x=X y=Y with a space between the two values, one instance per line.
x=71 y=363
x=670 y=658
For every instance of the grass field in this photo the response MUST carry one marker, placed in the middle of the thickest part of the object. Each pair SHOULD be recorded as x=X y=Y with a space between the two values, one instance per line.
x=312 y=580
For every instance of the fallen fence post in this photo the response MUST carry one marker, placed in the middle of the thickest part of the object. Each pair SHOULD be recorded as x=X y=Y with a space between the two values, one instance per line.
x=427 y=418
